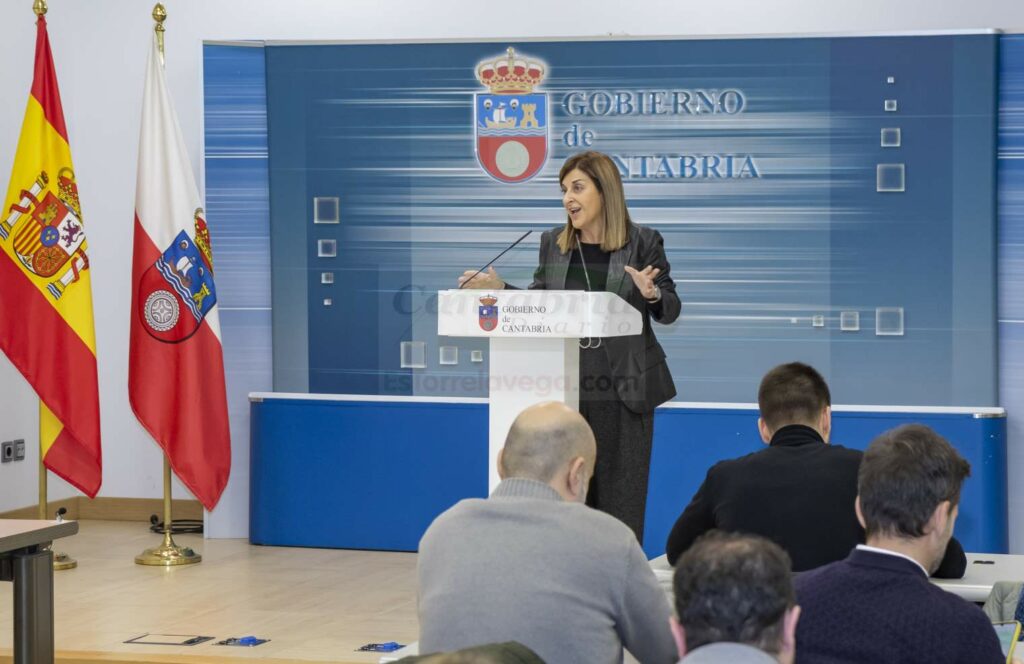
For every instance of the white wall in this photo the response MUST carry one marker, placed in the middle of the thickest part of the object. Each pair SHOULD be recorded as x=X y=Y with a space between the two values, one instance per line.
x=100 y=48
x=19 y=418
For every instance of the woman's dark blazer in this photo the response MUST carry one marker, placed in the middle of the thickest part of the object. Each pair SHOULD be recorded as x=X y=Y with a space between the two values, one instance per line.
x=637 y=362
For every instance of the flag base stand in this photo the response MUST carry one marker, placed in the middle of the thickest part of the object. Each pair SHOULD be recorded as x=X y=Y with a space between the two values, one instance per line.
x=168 y=554
x=63 y=561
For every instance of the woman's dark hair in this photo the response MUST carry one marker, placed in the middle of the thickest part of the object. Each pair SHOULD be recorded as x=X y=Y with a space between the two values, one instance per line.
x=602 y=170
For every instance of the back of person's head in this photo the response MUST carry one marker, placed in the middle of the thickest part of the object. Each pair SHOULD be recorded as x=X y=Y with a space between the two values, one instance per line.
x=546 y=441
x=905 y=474
x=735 y=588
x=793 y=393
x=510 y=652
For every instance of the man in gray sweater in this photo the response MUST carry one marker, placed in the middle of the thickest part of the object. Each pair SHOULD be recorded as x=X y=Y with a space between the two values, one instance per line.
x=534 y=564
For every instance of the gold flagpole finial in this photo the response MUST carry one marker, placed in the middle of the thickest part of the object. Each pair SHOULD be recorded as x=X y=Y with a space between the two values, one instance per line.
x=39 y=7
x=159 y=15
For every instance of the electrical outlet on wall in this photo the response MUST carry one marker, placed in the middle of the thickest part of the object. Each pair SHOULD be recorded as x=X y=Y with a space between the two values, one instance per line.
x=7 y=451
x=19 y=449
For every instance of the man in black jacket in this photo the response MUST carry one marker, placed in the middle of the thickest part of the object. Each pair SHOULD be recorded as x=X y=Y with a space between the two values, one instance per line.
x=800 y=491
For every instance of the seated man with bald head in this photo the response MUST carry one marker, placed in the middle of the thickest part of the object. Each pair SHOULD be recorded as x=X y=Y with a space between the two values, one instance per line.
x=532 y=563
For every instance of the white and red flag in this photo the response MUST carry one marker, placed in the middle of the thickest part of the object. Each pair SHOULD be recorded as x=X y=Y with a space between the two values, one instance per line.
x=175 y=364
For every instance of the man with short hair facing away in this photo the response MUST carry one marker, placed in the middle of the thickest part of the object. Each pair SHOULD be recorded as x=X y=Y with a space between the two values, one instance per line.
x=798 y=492
x=532 y=563
x=877 y=605
x=734 y=602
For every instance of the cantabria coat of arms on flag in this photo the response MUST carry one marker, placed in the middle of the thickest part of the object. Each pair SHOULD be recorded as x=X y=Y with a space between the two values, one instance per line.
x=177 y=291
x=511 y=120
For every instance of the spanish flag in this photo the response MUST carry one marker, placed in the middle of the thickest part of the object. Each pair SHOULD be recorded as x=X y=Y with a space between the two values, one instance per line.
x=46 y=321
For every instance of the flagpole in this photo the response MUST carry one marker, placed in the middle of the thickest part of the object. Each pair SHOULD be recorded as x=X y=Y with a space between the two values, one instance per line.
x=40 y=9
x=42 y=473
x=168 y=553
x=159 y=15
x=60 y=560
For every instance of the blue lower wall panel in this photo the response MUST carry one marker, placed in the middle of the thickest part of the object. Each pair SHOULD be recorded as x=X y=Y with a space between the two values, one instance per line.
x=689 y=441
x=361 y=475
x=373 y=475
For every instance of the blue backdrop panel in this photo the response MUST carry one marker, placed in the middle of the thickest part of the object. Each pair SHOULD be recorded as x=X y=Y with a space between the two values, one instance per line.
x=237 y=198
x=373 y=475
x=361 y=475
x=1011 y=258
x=761 y=161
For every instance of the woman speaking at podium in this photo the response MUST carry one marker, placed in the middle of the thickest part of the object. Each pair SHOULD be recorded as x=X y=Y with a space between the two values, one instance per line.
x=622 y=379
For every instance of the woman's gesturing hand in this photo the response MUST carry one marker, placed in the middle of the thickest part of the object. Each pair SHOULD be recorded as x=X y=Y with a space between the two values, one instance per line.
x=644 y=280
x=484 y=280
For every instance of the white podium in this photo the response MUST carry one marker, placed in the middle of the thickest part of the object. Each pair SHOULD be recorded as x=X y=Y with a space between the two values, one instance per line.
x=535 y=344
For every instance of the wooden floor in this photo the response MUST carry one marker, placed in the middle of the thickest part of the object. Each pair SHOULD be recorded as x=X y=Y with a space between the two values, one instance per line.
x=315 y=605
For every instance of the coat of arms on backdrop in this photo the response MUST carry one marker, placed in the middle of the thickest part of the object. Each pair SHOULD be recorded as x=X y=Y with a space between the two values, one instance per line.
x=511 y=120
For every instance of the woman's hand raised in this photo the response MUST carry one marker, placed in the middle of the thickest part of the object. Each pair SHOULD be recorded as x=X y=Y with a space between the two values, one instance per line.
x=484 y=280
x=644 y=280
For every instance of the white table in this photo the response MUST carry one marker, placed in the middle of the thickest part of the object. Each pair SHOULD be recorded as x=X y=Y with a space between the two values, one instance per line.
x=983 y=570
x=982 y=574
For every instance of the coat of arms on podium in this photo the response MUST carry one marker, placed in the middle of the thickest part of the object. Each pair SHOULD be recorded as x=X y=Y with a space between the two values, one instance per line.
x=511 y=120
x=488 y=313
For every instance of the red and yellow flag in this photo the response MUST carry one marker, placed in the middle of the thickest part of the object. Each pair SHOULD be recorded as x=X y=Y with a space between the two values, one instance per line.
x=46 y=321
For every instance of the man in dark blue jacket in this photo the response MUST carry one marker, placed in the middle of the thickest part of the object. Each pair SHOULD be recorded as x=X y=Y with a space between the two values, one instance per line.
x=877 y=605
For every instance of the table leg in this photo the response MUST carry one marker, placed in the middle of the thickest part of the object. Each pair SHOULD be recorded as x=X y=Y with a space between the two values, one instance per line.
x=33 y=607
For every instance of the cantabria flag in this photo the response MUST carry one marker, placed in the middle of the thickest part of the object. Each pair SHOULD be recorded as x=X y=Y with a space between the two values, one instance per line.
x=46 y=323
x=175 y=364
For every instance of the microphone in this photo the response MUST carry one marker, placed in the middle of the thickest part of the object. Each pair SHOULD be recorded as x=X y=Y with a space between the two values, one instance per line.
x=523 y=237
